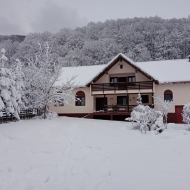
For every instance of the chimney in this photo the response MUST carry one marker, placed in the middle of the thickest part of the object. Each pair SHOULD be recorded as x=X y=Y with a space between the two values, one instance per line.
x=189 y=58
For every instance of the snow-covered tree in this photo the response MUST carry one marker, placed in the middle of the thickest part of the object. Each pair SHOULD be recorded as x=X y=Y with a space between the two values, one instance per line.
x=164 y=106
x=139 y=99
x=42 y=72
x=143 y=117
x=20 y=82
x=186 y=113
x=10 y=98
x=3 y=58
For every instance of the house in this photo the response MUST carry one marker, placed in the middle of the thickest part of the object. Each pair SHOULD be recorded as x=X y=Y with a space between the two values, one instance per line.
x=110 y=91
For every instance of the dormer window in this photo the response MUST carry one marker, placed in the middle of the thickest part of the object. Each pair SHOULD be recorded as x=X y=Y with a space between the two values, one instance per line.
x=121 y=66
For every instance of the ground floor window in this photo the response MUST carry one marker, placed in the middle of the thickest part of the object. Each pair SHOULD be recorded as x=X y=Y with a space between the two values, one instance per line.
x=168 y=95
x=122 y=100
x=145 y=99
x=80 y=98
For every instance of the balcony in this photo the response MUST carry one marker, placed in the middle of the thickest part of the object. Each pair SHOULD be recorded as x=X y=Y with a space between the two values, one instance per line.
x=122 y=87
x=119 y=108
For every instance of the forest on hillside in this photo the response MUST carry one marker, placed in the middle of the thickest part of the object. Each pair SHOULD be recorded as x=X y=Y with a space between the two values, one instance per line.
x=141 y=39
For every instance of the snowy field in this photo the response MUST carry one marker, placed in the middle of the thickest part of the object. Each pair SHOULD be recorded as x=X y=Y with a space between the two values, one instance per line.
x=82 y=154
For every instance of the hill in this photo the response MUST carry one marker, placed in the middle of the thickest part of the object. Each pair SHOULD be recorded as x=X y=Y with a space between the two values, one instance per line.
x=142 y=39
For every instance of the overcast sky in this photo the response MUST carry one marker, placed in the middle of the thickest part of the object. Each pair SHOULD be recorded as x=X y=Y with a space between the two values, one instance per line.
x=24 y=16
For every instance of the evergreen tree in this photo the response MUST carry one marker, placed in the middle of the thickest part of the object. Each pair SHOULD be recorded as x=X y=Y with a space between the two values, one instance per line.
x=9 y=95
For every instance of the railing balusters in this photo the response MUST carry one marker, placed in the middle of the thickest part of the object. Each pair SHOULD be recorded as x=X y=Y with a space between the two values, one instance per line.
x=122 y=86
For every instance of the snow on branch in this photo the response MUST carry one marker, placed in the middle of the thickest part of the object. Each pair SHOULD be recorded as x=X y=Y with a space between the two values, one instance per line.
x=43 y=70
x=186 y=114
x=164 y=106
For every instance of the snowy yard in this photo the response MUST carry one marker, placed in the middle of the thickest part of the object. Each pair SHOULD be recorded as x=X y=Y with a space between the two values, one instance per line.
x=81 y=154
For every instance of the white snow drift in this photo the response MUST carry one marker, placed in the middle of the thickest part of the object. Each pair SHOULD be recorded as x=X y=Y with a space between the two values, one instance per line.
x=82 y=154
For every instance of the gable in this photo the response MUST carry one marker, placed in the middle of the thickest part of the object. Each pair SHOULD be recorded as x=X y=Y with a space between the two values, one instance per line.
x=113 y=69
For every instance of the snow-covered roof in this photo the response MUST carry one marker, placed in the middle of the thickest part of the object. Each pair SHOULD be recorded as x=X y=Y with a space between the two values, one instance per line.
x=82 y=74
x=166 y=71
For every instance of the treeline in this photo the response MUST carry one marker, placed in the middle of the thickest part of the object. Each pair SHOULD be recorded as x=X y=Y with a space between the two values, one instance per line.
x=142 y=39
x=13 y=38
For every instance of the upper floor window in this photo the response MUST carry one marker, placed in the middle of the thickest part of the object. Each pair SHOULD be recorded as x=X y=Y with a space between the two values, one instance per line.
x=80 y=98
x=131 y=79
x=168 y=95
x=118 y=79
x=122 y=79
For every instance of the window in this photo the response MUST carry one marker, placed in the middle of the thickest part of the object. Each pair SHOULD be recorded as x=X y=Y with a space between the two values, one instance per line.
x=145 y=99
x=122 y=100
x=168 y=95
x=131 y=79
x=113 y=80
x=118 y=79
x=80 y=98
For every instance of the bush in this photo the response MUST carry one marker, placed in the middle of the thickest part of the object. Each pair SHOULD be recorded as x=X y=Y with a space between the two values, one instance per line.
x=144 y=117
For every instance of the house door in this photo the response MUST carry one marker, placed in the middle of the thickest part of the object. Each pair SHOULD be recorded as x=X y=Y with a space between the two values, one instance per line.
x=178 y=112
x=100 y=102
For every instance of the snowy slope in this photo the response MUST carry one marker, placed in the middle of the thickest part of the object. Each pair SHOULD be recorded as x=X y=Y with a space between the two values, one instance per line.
x=82 y=154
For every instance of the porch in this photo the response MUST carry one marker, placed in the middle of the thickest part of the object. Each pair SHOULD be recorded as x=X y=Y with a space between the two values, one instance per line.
x=120 y=103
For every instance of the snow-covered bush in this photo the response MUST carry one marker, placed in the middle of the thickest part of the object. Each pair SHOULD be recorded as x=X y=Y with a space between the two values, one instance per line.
x=164 y=108
x=186 y=113
x=143 y=117
x=159 y=125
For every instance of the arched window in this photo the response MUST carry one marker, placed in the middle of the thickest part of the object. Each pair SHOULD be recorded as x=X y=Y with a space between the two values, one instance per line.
x=168 y=95
x=80 y=96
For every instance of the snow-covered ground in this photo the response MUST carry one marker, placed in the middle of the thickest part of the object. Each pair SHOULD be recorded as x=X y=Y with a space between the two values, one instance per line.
x=81 y=154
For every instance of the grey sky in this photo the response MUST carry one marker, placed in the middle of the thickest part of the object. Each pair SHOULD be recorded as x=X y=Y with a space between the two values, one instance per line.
x=24 y=16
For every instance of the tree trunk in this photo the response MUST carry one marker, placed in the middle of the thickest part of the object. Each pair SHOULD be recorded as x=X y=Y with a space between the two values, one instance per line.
x=45 y=111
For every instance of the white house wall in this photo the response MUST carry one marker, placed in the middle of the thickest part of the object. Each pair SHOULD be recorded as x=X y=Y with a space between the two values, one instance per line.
x=181 y=93
x=88 y=108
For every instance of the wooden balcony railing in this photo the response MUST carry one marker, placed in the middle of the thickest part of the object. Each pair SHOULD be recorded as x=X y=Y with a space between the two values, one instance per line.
x=119 y=108
x=122 y=86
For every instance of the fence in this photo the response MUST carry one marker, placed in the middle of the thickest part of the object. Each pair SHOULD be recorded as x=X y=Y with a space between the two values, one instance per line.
x=24 y=114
